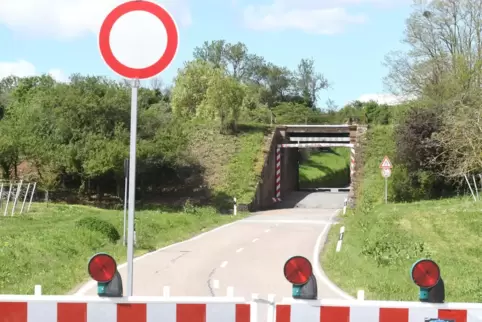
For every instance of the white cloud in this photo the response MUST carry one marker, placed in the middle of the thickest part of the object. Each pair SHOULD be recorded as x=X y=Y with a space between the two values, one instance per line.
x=22 y=68
x=318 y=17
x=383 y=98
x=138 y=39
x=67 y=19
x=320 y=21
x=58 y=75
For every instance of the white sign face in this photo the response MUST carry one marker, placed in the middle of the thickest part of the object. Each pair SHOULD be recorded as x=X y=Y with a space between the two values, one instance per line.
x=138 y=39
x=386 y=173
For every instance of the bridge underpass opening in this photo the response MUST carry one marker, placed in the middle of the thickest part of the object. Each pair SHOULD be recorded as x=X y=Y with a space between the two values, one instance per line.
x=324 y=169
x=289 y=154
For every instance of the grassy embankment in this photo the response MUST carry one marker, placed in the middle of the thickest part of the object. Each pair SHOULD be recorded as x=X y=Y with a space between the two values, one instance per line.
x=52 y=244
x=329 y=169
x=382 y=242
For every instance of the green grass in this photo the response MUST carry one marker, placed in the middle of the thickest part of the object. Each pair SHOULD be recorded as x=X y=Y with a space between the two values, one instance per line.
x=245 y=166
x=232 y=163
x=52 y=245
x=48 y=247
x=326 y=169
x=381 y=242
x=380 y=247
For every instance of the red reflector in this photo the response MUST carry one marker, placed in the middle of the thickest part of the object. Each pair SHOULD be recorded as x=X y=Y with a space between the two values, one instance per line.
x=426 y=273
x=298 y=270
x=102 y=268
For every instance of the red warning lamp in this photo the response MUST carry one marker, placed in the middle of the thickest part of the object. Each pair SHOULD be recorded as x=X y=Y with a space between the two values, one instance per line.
x=298 y=270
x=102 y=267
x=425 y=273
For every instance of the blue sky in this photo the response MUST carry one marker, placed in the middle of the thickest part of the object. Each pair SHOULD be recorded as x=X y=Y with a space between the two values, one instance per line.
x=347 y=38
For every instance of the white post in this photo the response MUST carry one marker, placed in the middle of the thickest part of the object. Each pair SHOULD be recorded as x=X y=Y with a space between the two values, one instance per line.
x=1 y=194
x=344 y=205
x=31 y=196
x=38 y=290
x=235 y=210
x=17 y=194
x=132 y=190
x=126 y=185
x=166 y=291
x=8 y=199
x=340 y=239
x=470 y=187
x=254 y=308
x=230 y=291
x=271 y=309
x=475 y=185
x=360 y=295
x=25 y=198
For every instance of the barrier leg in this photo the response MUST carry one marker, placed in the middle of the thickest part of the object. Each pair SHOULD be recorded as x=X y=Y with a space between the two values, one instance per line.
x=360 y=295
x=271 y=308
x=254 y=308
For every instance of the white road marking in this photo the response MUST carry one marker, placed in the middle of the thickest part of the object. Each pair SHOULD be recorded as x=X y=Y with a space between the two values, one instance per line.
x=277 y=222
x=240 y=250
x=91 y=284
x=317 y=265
x=215 y=283
x=267 y=230
x=223 y=264
x=255 y=240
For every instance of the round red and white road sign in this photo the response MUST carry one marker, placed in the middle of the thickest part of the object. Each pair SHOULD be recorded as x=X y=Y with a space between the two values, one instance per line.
x=134 y=72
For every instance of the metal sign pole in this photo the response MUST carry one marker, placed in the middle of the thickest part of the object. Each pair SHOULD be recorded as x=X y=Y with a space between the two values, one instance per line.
x=126 y=195
x=126 y=186
x=132 y=190
x=386 y=190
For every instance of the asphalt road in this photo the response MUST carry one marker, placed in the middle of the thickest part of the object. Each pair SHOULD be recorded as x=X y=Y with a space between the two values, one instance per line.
x=247 y=255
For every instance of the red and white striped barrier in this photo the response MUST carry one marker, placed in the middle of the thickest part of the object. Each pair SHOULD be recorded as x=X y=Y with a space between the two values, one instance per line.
x=31 y=308
x=21 y=308
x=291 y=310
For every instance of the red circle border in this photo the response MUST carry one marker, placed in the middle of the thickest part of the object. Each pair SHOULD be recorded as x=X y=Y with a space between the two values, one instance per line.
x=164 y=60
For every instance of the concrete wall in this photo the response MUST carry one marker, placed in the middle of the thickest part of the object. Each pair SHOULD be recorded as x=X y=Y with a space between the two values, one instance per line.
x=289 y=171
x=265 y=191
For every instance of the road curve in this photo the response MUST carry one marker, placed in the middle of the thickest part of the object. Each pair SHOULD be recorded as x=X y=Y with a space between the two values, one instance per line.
x=247 y=255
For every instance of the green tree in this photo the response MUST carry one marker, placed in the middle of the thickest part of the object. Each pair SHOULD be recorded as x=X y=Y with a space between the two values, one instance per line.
x=223 y=101
x=190 y=87
x=309 y=83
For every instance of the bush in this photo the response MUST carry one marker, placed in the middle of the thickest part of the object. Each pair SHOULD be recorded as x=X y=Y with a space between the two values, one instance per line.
x=415 y=146
x=99 y=225
x=418 y=177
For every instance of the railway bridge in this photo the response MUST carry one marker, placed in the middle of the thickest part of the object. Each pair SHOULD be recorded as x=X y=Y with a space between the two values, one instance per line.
x=280 y=174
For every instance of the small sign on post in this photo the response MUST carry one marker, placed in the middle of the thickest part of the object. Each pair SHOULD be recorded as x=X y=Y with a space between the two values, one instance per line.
x=386 y=167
